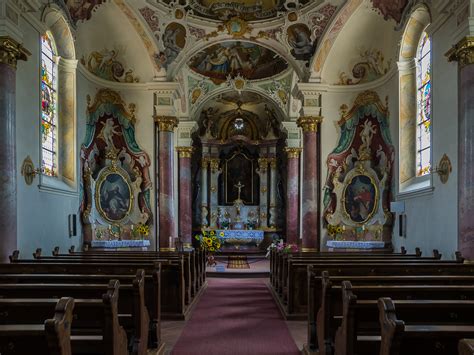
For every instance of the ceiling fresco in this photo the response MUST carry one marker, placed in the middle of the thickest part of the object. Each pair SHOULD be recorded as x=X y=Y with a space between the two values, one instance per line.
x=248 y=10
x=248 y=60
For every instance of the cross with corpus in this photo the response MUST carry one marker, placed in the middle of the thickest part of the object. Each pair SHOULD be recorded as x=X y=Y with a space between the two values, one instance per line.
x=239 y=186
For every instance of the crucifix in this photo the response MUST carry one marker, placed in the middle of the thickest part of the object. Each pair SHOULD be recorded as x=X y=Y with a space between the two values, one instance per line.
x=239 y=186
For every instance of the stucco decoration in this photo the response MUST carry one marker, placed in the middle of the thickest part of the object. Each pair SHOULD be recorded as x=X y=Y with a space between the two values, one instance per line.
x=250 y=10
x=107 y=65
x=81 y=10
x=299 y=38
x=370 y=66
x=358 y=185
x=116 y=180
x=251 y=61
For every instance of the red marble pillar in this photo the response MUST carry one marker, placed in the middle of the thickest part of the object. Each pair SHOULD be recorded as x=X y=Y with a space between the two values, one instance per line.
x=185 y=195
x=463 y=52
x=10 y=53
x=292 y=191
x=310 y=191
x=166 y=198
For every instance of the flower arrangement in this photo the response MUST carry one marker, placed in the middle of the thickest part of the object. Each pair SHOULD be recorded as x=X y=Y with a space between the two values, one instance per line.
x=142 y=230
x=335 y=231
x=282 y=247
x=209 y=241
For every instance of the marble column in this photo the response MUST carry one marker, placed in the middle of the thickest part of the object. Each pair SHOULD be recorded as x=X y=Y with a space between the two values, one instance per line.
x=273 y=208
x=463 y=53
x=310 y=191
x=185 y=195
x=213 y=204
x=292 y=191
x=204 y=193
x=263 y=172
x=166 y=198
x=10 y=52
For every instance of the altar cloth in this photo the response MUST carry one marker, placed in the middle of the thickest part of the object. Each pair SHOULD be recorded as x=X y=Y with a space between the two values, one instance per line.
x=120 y=243
x=355 y=244
x=239 y=237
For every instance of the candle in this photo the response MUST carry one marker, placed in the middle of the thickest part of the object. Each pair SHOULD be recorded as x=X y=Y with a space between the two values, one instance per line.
x=170 y=242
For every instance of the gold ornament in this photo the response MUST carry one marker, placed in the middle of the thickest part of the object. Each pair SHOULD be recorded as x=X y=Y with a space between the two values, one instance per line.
x=462 y=52
x=293 y=152
x=166 y=123
x=309 y=123
x=185 y=152
x=11 y=52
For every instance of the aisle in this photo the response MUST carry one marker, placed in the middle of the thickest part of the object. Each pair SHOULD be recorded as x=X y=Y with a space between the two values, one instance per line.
x=236 y=317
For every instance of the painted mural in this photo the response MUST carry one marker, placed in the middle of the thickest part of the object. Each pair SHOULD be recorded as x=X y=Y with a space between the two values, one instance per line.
x=299 y=38
x=116 y=182
x=106 y=65
x=391 y=9
x=249 y=60
x=358 y=185
x=370 y=66
x=174 y=40
x=81 y=10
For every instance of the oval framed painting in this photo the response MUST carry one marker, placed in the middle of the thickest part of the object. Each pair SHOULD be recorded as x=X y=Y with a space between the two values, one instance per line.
x=113 y=196
x=360 y=198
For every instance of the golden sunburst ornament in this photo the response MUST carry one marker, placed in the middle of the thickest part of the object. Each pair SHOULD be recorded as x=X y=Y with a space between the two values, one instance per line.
x=237 y=27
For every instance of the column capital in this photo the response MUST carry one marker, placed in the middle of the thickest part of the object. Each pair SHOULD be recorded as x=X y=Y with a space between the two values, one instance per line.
x=293 y=152
x=204 y=162
x=309 y=123
x=263 y=164
x=185 y=152
x=166 y=123
x=214 y=163
x=462 y=52
x=11 y=52
x=273 y=162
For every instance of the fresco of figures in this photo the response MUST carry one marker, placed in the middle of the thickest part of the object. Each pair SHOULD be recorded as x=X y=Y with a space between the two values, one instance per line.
x=232 y=58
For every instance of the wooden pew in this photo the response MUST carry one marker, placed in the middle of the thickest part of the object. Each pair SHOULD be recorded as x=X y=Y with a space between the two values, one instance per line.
x=111 y=258
x=398 y=338
x=171 y=287
x=359 y=332
x=95 y=328
x=325 y=297
x=466 y=347
x=133 y=313
x=192 y=271
x=295 y=295
x=51 y=337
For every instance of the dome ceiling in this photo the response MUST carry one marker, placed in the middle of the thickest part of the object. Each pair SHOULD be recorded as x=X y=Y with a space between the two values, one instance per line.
x=249 y=10
x=248 y=60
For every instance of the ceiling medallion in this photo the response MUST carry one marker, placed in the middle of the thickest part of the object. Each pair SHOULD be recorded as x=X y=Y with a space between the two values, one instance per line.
x=237 y=27
x=238 y=83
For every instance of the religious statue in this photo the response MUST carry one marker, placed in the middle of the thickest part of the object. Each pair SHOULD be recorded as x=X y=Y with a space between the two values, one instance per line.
x=239 y=187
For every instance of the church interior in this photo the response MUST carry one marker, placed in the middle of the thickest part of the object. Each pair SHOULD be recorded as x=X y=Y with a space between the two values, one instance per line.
x=237 y=177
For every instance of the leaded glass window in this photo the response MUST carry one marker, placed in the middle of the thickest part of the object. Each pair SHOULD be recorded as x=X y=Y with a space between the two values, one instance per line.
x=49 y=113
x=423 y=121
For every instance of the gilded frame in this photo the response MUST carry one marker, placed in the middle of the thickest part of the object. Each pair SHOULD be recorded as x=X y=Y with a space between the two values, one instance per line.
x=103 y=175
x=375 y=199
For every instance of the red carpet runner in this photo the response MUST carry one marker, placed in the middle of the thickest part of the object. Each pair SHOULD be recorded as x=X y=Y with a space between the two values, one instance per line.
x=236 y=317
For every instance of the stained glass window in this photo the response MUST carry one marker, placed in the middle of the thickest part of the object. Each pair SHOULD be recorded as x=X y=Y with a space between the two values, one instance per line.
x=423 y=121
x=49 y=115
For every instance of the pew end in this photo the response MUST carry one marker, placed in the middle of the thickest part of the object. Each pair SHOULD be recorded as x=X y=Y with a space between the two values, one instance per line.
x=418 y=252
x=55 y=251
x=37 y=253
x=15 y=256
x=71 y=249
x=466 y=347
x=437 y=254
x=58 y=329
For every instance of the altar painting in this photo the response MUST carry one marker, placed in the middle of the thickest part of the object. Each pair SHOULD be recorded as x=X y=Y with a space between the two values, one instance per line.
x=239 y=171
x=360 y=198
x=115 y=197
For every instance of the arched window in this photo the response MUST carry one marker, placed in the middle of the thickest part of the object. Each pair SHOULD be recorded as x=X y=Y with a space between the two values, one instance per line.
x=49 y=109
x=423 y=84
x=415 y=121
